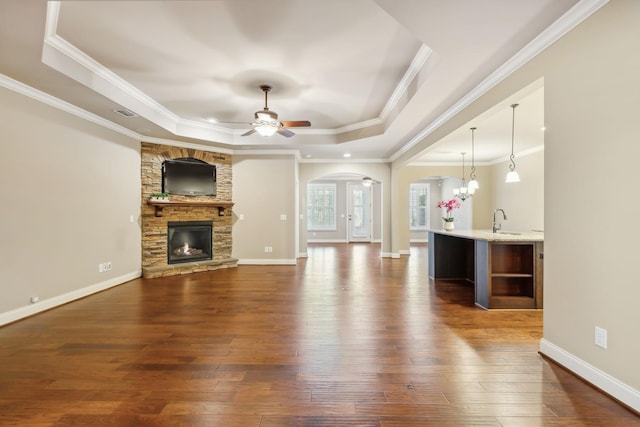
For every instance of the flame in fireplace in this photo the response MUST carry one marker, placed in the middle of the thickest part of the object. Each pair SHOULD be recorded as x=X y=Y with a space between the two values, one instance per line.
x=185 y=249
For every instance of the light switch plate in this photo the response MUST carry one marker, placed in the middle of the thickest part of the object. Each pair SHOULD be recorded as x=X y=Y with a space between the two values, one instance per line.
x=601 y=337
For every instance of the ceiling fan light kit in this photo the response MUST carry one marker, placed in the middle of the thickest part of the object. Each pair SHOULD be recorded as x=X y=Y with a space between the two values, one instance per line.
x=266 y=121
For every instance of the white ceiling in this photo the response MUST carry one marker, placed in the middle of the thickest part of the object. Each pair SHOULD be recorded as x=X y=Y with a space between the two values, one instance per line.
x=371 y=76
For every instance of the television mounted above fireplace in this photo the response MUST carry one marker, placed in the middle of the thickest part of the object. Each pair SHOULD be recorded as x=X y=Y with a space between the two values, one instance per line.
x=189 y=177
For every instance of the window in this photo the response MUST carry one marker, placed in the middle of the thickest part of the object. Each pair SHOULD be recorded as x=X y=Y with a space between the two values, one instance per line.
x=321 y=207
x=418 y=206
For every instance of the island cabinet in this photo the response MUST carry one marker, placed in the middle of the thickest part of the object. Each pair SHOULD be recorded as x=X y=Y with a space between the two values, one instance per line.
x=506 y=269
x=509 y=274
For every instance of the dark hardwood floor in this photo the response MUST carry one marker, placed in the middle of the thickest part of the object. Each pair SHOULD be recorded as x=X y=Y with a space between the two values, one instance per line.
x=344 y=338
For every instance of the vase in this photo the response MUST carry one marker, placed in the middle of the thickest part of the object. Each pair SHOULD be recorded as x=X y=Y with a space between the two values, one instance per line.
x=448 y=226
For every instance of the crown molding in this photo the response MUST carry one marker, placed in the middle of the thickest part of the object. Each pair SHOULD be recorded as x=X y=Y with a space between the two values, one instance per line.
x=555 y=31
x=72 y=62
x=519 y=154
x=38 y=95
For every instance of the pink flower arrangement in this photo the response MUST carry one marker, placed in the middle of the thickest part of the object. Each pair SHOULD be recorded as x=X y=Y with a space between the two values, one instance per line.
x=450 y=205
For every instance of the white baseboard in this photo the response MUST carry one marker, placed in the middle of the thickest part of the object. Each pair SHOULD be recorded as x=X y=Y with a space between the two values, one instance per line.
x=395 y=255
x=418 y=240
x=267 y=262
x=303 y=255
x=405 y=252
x=47 y=304
x=386 y=255
x=327 y=241
x=600 y=379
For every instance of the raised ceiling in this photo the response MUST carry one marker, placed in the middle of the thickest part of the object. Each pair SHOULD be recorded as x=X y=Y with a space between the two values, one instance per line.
x=370 y=76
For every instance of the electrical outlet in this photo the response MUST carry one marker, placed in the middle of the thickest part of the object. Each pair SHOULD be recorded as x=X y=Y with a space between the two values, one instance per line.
x=35 y=299
x=601 y=337
x=108 y=266
x=266 y=249
x=101 y=268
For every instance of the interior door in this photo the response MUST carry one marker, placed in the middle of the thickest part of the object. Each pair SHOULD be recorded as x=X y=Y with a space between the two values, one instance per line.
x=359 y=222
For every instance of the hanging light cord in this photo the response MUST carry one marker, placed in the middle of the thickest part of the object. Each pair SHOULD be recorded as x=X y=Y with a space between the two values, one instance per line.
x=512 y=166
x=473 y=163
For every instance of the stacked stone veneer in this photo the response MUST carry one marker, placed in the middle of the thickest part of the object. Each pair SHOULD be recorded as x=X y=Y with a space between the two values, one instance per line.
x=154 y=229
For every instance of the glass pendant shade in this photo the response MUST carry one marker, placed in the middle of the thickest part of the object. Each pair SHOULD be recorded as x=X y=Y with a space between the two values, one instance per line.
x=473 y=186
x=512 y=177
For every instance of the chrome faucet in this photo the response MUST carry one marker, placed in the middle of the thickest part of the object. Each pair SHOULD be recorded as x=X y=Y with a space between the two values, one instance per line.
x=495 y=226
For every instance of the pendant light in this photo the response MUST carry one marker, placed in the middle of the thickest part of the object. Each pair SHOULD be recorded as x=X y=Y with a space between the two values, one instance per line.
x=463 y=192
x=367 y=182
x=512 y=176
x=473 y=184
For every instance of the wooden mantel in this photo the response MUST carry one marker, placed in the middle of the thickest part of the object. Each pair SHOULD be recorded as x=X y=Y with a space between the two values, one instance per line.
x=160 y=205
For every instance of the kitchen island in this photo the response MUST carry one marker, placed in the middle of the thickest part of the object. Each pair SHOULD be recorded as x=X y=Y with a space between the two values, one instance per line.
x=505 y=267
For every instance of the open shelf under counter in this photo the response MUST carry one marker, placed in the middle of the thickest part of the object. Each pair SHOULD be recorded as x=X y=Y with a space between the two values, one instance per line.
x=506 y=268
x=161 y=205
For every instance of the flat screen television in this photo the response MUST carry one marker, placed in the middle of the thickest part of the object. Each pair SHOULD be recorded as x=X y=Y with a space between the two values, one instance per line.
x=188 y=177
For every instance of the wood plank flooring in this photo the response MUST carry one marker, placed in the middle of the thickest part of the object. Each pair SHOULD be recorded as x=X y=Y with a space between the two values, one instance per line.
x=344 y=338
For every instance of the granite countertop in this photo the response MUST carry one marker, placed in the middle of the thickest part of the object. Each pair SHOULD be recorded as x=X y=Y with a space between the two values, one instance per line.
x=499 y=236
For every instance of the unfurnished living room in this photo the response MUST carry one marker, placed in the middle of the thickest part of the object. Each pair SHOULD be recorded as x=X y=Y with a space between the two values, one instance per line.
x=363 y=213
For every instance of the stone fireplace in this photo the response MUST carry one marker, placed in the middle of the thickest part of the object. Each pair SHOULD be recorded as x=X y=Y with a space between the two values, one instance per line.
x=193 y=211
x=188 y=241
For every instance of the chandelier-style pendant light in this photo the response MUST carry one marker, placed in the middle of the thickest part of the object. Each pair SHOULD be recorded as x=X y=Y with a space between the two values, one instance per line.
x=473 y=184
x=512 y=176
x=463 y=192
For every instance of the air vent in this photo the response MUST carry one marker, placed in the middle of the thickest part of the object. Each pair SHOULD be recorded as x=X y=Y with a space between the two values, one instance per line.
x=125 y=113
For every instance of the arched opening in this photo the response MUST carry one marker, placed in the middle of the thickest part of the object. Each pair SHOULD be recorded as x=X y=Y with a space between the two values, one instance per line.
x=342 y=207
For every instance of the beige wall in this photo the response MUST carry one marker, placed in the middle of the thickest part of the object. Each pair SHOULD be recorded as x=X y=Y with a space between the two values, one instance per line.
x=591 y=92
x=592 y=151
x=264 y=188
x=523 y=202
x=68 y=189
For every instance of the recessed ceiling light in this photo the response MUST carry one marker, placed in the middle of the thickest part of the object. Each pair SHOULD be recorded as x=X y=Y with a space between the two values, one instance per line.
x=347 y=155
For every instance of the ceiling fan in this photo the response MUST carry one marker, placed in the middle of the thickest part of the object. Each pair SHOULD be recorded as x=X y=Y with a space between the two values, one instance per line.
x=266 y=121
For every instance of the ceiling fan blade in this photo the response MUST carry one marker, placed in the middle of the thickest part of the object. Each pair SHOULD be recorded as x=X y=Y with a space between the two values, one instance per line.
x=285 y=132
x=249 y=132
x=296 y=124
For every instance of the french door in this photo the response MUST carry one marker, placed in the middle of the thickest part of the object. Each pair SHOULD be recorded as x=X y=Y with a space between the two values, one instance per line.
x=359 y=224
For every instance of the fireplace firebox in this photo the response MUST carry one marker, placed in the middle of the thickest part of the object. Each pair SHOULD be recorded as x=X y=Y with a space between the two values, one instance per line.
x=189 y=241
